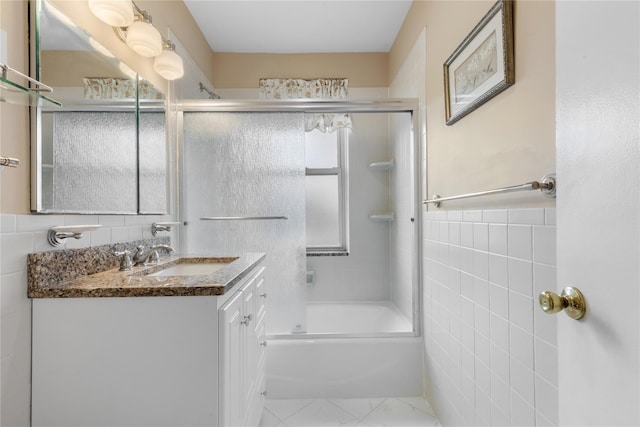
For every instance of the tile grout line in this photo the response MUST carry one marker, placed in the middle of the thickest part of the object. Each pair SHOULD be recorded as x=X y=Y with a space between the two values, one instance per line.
x=418 y=409
x=299 y=410
x=281 y=422
x=360 y=420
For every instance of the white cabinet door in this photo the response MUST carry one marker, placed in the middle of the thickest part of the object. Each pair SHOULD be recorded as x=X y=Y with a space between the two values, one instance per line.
x=231 y=362
x=257 y=342
x=242 y=355
x=248 y=337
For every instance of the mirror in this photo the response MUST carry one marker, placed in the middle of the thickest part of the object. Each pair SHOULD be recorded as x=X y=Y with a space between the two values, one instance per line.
x=105 y=150
x=152 y=158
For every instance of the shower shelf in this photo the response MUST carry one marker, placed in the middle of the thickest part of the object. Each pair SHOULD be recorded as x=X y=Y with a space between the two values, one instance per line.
x=390 y=216
x=382 y=166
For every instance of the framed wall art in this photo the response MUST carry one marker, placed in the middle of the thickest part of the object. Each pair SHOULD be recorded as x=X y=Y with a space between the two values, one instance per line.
x=482 y=65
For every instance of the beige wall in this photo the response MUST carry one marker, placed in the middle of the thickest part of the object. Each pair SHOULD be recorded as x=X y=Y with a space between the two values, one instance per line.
x=510 y=139
x=14 y=119
x=55 y=70
x=242 y=70
x=14 y=132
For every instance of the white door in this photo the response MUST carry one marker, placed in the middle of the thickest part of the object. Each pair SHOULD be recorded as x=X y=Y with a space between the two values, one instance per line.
x=598 y=213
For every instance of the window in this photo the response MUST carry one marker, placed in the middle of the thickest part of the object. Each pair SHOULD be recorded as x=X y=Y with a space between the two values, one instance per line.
x=326 y=186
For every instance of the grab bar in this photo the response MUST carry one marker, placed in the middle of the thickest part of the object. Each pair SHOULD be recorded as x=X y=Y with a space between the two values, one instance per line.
x=240 y=218
x=547 y=185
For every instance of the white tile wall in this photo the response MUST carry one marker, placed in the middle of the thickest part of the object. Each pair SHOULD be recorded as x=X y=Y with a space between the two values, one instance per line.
x=364 y=275
x=491 y=353
x=19 y=236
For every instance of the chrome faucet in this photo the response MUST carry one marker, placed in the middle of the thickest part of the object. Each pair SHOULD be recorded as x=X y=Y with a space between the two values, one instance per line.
x=141 y=257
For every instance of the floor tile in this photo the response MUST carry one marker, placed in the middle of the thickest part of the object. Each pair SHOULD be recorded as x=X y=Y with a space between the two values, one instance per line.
x=270 y=420
x=338 y=412
x=321 y=413
x=396 y=413
x=420 y=404
x=359 y=408
x=284 y=408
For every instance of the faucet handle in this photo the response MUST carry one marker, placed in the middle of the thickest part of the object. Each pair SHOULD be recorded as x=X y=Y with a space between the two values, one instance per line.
x=125 y=260
x=154 y=257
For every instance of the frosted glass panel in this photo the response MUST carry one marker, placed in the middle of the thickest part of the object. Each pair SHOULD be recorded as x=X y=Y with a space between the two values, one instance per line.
x=99 y=175
x=321 y=149
x=250 y=164
x=322 y=211
x=153 y=163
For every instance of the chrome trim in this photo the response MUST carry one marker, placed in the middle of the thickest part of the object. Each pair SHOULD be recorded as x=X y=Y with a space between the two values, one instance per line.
x=9 y=161
x=547 y=185
x=299 y=106
x=57 y=234
x=240 y=218
x=156 y=227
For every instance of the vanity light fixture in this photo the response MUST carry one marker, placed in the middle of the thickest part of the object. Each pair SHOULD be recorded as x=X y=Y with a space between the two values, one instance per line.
x=169 y=64
x=57 y=234
x=143 y=38
x=117 y=13
x=140 y=35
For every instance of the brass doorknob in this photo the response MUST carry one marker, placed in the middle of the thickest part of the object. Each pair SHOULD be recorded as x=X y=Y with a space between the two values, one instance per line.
x=570 y=300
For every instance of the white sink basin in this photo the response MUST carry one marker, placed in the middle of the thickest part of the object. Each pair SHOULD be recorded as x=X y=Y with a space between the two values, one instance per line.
x=190 y=269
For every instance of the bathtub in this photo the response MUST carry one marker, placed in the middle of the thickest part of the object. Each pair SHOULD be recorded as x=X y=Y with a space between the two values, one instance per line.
x=362 y=318
x=354 y=363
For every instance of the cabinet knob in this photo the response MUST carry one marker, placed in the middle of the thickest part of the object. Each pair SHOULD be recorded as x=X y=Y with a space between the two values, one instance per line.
x=246 y=320
x=263 y=343
x=570 y=300
x=263 y=295
x=264 y=393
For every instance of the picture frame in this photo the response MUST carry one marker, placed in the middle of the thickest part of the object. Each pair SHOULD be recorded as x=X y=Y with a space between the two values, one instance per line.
x=483 y=65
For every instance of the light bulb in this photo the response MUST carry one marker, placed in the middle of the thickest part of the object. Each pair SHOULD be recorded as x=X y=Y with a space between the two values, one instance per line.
x=117 y=13
x=169 y=65
x=144 y=39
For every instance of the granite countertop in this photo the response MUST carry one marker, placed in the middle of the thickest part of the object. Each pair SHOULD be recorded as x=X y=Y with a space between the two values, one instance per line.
x=138 y=282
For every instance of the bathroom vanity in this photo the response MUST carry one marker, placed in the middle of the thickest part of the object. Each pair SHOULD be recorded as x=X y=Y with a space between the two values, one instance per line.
x=148 y=348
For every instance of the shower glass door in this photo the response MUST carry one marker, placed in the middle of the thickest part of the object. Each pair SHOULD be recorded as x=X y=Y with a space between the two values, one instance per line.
x=242 y=165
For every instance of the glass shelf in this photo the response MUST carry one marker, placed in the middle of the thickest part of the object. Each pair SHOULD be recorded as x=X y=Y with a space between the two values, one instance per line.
x=14 y=93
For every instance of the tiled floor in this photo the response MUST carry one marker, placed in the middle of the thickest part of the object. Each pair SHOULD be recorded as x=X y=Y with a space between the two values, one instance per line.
x=382 y=412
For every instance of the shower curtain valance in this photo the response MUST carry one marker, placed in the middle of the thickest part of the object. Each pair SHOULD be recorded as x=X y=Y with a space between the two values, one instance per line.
x=118 y=88
x=310 y=89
